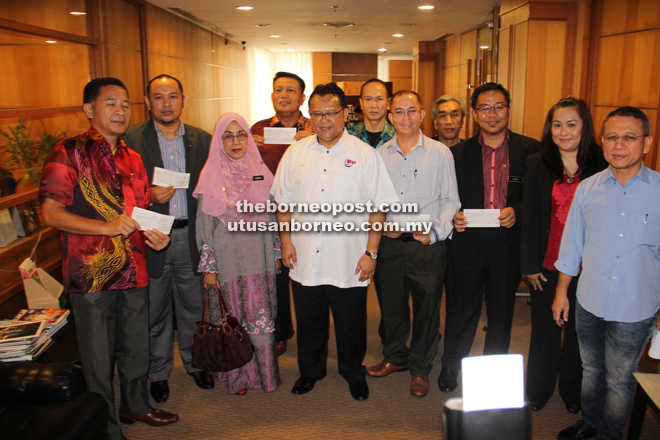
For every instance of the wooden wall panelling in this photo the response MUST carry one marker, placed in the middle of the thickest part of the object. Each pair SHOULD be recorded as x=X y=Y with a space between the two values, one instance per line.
x=427 y=66
x=545 y=73
x=66 y=65
x=519 y=76
x=628 y=70
x=122 y=24
x=504 y=61
x=47 y=14
x=322 y=67
x=629 y=16
x=468 y=71
x=126 y=64
x=401 y=74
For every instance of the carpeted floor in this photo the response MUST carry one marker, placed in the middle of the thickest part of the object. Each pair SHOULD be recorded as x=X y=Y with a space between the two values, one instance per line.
x=329 y=412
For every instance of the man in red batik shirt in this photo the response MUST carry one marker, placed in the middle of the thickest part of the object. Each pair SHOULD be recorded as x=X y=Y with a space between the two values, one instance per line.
x=90 y=186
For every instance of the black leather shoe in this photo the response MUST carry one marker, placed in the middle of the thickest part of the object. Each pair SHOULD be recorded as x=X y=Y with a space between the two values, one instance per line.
x=579 y=431
x=160 y=391
x=447 y=380
x=537 y=406
x=303 y=385
x=573 y=408
x=359 y=389
x=203 y=379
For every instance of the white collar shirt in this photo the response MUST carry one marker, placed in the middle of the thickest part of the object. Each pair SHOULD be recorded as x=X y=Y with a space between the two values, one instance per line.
x=351 y=172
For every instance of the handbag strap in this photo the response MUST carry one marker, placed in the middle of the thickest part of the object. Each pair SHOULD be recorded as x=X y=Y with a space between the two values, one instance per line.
x=224 y=310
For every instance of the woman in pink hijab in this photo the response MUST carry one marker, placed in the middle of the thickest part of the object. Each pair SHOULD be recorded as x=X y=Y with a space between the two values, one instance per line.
x=236 y=258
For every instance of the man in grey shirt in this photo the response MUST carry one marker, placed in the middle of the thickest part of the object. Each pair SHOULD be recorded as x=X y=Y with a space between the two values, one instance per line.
x=422 y=171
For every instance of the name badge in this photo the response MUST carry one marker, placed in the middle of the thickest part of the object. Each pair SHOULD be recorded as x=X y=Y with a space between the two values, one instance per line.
x=257 y=178
x=515 y=179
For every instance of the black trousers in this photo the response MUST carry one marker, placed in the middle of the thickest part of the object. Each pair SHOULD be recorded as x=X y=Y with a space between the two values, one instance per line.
x=283 y=322
x=486 y=264
x=404 y=269
x=550 y=355
x=349 y=311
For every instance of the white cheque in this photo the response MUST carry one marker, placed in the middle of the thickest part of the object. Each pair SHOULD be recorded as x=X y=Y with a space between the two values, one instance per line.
x=163 y=177
x=279 y=135
x=153 y=220
x=482 y=218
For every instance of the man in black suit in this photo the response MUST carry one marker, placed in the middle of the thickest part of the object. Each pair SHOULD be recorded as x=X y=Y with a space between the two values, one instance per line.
x=489 y=171
x=166 y=142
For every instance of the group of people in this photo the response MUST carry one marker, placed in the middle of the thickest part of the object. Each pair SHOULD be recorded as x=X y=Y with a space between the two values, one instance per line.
x=562 y=206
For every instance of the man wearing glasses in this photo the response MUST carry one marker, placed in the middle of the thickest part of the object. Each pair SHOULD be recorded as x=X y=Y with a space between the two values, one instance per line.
x=330 y=268
x=422 y=172
x=489 y=171
x=612 y=234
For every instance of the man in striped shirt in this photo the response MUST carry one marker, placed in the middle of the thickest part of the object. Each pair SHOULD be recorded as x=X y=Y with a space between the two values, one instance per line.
x=166 y=142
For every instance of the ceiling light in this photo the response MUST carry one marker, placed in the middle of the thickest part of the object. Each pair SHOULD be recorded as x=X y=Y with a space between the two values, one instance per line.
x=51 y=41
x=77 y=13
x=382 y=49
x=263 y=25
x=244 y=8
x=339 y=25
x=424 y=7
x=483 y=47
x=290 y=50
x=275 y=36
x=397 y=35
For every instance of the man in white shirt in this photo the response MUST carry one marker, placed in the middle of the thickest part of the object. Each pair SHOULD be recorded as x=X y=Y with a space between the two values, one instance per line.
x=329 y=268
x=422 y=172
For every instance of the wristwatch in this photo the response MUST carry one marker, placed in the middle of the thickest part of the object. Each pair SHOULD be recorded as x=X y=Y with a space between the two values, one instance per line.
x=372 y=255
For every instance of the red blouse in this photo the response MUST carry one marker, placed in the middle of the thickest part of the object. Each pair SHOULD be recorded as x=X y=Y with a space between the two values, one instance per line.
x=562 y=197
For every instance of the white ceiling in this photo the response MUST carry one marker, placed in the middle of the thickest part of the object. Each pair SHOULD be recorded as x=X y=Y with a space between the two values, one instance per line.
x=300 y=22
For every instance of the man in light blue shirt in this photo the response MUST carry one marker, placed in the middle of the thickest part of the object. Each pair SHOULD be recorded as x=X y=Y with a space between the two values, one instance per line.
x=613 y=231
x=422 y=172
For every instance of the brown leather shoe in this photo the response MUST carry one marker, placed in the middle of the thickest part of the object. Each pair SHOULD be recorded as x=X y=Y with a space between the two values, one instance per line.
x=280 y=347
x=419 y=386
x=384 y=368
x=156 y=417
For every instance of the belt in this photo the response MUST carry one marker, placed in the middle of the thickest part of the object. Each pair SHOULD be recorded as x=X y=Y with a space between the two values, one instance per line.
x=178 y=224
x=406 y=236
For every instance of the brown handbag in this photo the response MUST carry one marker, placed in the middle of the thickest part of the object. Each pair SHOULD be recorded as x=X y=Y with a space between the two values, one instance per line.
x=222 y=347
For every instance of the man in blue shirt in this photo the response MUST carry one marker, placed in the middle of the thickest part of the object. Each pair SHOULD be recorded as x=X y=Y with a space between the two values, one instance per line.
x=422 y=172
x=613 y=232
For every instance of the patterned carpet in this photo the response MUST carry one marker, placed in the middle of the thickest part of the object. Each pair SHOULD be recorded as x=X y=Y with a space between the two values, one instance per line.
x=329 y=412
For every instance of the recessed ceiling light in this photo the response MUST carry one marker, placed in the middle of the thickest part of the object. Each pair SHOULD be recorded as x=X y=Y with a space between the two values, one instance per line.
x=244 y=8
x=263 y=25
x=290 y=49
x=382 y=49
x=397 y=35
x=275 y=36
x=424 y=7
x=339 y=25
x=77 y=13
x=483 y=47
x=51 y=41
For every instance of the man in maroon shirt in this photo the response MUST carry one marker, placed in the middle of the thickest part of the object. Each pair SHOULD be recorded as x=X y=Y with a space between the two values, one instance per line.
x=90 y=186
x=485 y=260
x=288 y=95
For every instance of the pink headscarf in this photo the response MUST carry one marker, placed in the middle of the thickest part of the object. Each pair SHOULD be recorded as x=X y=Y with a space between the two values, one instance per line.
x=225 y=181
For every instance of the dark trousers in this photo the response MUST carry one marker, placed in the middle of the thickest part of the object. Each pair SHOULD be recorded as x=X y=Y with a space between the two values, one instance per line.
x=178 y=282
x=113 y=325
x=283 y=322
x=349 y=311
x=486 y=264
x=550 y=355
x=404 y=269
